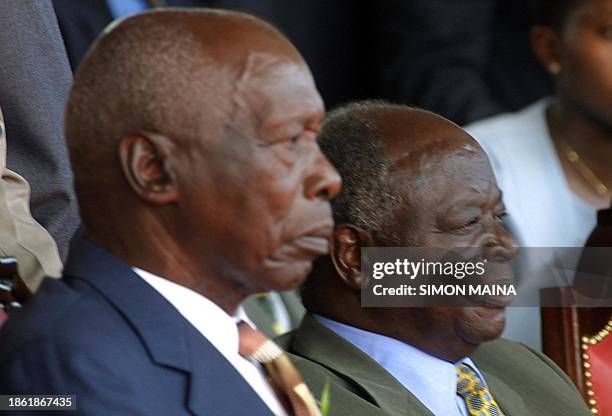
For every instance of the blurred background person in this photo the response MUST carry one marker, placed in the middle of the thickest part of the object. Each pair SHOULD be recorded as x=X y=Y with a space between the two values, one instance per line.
x=465 y=59
x=20 y=235
x=34 y=82
x=552 y=159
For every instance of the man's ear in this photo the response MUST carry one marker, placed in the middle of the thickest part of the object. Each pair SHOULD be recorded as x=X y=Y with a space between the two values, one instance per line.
x=144 y=159
x=345 y=252
x=545 y=43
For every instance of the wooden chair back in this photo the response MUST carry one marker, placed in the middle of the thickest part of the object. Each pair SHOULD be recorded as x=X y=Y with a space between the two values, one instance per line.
x=577 y=339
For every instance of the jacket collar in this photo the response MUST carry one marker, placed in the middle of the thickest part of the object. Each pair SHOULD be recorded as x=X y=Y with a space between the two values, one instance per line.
x=171 y=341
x=340 y=356
x=383 y=389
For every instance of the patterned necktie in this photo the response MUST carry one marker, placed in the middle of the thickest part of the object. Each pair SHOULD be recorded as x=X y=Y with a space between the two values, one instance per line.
x=284 y=377
x=476 y=395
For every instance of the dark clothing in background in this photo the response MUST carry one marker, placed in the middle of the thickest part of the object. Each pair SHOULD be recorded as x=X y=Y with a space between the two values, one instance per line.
x=34 y=82
x=465 y=59
x=80 y=23
x=594 y=277
x=334 y=45
x=602 y=235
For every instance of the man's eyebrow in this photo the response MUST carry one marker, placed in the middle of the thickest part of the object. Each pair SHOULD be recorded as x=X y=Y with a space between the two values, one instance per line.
x=285 y=125
x=285 y=118
x=473 y=197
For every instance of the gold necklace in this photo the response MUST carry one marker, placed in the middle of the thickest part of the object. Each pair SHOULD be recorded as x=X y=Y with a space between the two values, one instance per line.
x=584 y=170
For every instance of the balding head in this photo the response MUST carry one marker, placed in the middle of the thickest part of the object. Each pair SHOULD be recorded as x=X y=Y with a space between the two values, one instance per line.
x=192 y=134
x=383 y=150
x=410 y=179
x=173 y=72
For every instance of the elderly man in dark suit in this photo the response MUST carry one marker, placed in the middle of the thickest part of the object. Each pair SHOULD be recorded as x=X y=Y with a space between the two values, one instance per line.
x=192 y=136
x=414 y=179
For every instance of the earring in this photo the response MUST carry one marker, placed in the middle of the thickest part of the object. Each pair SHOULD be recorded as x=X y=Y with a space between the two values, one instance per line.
x=554 y=68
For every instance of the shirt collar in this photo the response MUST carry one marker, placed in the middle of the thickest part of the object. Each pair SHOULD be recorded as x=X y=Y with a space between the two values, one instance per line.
x=124 y=8
x=216 y=325
x=432 y=380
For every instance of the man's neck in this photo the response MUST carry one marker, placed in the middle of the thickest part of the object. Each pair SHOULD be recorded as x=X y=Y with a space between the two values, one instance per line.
x=166 y=258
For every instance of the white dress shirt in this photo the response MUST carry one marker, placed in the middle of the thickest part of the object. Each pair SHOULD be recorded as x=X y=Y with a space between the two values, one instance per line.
x=431 y=380
x=219 y=328
x=543 y=211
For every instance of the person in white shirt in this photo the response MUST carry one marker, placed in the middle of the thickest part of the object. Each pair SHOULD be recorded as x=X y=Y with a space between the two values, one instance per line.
x=552 y=159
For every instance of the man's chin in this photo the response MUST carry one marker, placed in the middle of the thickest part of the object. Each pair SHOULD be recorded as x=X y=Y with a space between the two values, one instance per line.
x=288 y=275
x=483 y=324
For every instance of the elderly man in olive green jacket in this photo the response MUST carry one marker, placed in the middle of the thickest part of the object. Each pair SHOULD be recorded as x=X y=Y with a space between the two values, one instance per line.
x=414 y=179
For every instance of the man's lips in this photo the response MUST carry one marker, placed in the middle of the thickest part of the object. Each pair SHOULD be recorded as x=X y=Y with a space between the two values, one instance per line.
x=312 y=245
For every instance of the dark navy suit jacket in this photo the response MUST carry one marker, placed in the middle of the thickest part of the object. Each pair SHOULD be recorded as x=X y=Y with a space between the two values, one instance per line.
x=103 y=334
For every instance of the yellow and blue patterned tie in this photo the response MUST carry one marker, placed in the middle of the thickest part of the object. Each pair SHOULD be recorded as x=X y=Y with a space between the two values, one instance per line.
x=476 y=395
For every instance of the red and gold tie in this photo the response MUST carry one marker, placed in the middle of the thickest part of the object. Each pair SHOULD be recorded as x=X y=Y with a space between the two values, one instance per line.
x=284 y=377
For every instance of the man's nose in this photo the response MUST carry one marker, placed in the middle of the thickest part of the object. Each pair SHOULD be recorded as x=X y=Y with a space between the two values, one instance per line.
x=322 y=180
x=501 y=246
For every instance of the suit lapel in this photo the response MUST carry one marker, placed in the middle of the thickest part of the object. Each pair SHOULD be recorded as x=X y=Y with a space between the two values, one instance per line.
x=294 y=307
x=207 y=396
x=317 y=343
x=510 y=402
x=170 y=339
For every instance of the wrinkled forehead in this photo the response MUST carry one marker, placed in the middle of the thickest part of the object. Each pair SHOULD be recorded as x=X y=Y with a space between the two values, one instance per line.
x=444 y=166
x=420 y=141
x=273 y=89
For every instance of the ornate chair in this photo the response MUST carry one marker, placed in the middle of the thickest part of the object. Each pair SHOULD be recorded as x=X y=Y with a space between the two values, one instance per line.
x=579 y=341
x=13 y=291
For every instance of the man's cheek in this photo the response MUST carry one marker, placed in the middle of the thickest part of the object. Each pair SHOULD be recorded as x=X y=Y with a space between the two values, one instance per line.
x=283 y=195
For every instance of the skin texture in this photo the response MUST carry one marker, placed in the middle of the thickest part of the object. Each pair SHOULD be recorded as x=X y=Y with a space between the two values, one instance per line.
x=580 y=113
x=449 y=199
x=220 y=186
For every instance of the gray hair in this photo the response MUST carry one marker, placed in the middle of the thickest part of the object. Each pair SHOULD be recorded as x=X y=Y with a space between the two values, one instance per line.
x=351 y=139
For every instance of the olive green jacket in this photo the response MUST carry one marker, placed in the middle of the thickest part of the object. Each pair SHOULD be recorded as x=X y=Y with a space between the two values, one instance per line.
x=523 y=382
x=292 y=304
